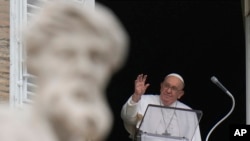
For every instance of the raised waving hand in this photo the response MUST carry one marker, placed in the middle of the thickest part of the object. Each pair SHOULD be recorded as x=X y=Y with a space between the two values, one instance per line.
x=140 y=87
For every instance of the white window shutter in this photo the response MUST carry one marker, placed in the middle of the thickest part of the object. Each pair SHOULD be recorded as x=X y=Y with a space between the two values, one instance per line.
x=29 y=86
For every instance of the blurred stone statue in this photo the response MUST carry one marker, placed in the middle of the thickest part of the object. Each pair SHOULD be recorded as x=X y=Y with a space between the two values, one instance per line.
x=73 y=51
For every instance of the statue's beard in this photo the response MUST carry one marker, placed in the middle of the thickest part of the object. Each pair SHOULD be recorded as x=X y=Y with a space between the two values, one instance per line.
x=78 y=108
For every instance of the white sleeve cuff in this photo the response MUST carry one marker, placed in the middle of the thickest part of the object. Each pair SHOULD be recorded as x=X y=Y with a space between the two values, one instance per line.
x=131 y=102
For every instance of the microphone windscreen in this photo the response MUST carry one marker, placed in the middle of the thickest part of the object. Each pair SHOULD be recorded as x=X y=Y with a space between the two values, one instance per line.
x=214 y=79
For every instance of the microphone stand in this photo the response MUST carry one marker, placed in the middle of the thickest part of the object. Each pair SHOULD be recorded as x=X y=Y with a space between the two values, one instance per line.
x=226 y=116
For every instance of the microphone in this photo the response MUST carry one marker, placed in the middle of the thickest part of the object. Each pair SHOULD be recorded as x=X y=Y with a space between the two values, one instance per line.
x=217 y=82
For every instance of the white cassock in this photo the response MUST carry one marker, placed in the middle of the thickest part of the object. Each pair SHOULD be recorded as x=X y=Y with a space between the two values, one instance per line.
x=173 y=122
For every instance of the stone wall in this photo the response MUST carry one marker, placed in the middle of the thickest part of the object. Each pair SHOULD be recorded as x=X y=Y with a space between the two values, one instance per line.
x=4 y=50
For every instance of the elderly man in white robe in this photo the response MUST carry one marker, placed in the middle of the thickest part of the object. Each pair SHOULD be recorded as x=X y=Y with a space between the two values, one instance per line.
x=179 y=124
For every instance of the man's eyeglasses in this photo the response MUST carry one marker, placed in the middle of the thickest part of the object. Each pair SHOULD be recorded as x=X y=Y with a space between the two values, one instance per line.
x=172 y=88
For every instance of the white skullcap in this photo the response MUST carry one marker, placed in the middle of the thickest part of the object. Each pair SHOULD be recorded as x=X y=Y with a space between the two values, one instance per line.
x=177 y=75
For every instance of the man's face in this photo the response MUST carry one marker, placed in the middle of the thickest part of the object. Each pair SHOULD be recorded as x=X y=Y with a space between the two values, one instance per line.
x=171 y=90
x=77 y=57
